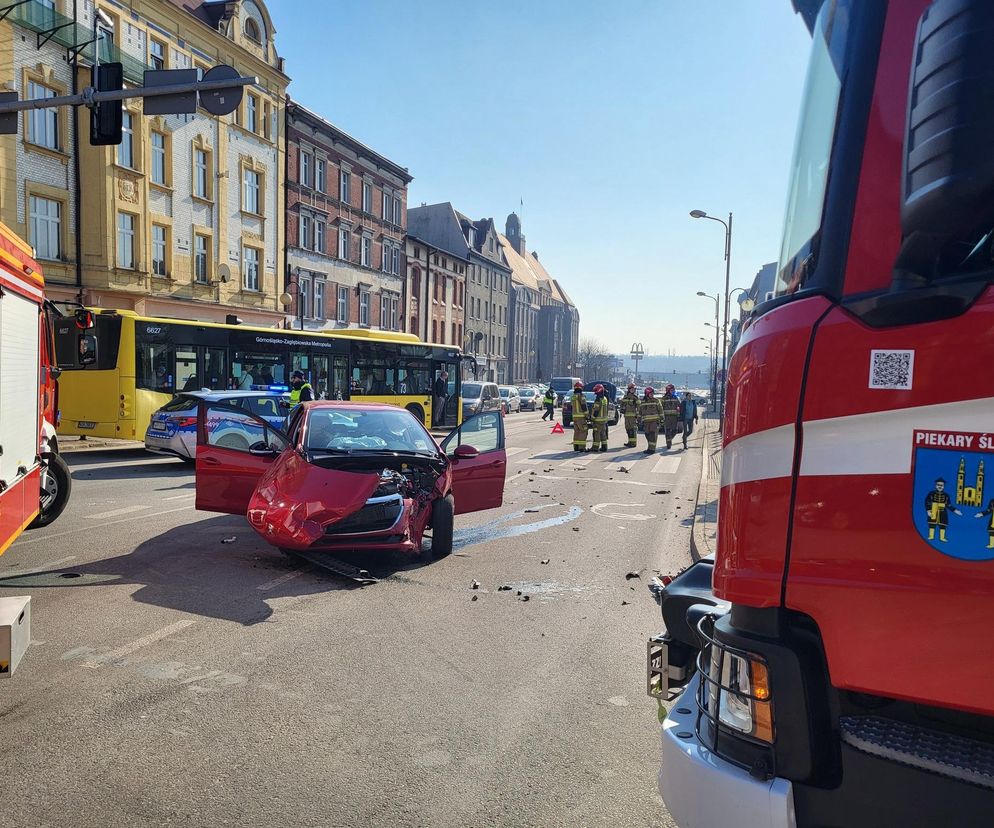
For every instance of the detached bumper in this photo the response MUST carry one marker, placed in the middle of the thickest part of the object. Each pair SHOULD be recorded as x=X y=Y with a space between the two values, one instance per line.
x=702 y=790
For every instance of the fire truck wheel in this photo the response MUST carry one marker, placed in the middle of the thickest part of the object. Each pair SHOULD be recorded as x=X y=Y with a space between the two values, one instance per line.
x=56 y=484
x=442 y=521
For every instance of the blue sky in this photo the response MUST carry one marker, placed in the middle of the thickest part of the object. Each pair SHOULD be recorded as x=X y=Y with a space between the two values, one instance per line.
x=611 y=121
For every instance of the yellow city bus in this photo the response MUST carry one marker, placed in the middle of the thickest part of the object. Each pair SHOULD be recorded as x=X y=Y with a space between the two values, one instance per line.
x=141 y=362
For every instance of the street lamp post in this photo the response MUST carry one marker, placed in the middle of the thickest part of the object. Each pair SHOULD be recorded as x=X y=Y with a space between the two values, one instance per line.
x=286 y=298
x=712 y=365
x=728 y=273
x=714 y=384
x=638 y=352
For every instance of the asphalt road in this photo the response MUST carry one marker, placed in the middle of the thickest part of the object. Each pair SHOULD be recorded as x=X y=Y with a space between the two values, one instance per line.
x=175 y=678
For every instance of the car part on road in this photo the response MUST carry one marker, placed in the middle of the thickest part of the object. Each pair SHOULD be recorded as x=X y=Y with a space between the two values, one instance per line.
x=334 y=565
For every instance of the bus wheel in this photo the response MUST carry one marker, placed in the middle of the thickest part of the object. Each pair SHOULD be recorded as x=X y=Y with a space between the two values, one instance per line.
x=56 y=484
x=418 y=412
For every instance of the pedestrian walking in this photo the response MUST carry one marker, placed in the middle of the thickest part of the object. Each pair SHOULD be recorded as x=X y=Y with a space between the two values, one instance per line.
x=440 y=392
x=599 y=417
x=688 y=416
x=579 y=418
x=650 y=412
x=630 y=410
x=549 y=401
x=671 y=415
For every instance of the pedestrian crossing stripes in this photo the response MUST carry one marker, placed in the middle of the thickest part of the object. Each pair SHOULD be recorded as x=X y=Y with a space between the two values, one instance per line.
x=668 y=464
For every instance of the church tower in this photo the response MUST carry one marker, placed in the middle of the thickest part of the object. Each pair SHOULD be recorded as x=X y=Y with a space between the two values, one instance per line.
x=512 y=229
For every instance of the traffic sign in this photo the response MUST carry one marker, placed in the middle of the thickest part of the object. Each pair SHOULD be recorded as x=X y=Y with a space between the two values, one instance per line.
x=221 y=101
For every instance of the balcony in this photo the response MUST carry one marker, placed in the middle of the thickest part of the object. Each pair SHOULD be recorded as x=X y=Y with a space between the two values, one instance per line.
x=50 y=26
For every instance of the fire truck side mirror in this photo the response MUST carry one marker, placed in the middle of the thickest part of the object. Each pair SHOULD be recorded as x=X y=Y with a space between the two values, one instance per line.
x=949 y=131
x=87 y=349
x=84 y=320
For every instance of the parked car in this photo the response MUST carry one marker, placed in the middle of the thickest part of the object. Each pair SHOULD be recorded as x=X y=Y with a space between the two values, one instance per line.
x=563 y=386
x=173 y=428
x=510 y=399
x=349 y=475
x=531 y=399
x=478 y=397
x=589 y=395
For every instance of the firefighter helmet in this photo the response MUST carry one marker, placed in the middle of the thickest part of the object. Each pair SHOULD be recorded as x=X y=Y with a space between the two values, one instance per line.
x=649 y=391
x=631 y=386
x=598 y=389
x=577 y=386
x=670 y=387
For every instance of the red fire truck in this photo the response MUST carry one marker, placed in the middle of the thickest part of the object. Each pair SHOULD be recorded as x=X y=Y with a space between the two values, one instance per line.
x=34 y=480
x=833 y=661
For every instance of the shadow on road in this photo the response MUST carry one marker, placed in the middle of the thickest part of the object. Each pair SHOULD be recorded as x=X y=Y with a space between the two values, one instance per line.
x=193 y=569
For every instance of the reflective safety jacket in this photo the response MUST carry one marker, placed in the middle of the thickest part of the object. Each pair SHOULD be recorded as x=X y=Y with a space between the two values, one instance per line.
x=671 y=407
x=296 y=392
x=579 y=406
x=549 y=398
x=600 y=407
x=650 y=409
x=630 y=405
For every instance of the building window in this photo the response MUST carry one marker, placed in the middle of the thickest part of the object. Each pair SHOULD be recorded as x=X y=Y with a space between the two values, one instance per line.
x=396 y=211
x=343 y=304
x=345 y=185
x=434 y=330
x=252 y=113
x=320 y=234
x=367 y=197
x=385 y=258
x=306 y=160
x=305 y=232
x=304 y=297
x=385 y=206
x=364 y=307
x=320 y=180
x=201 y=258
x=250 y=268
x=319 y=298
x=396 y=261
x=201 y=174
x=159 y=158
x=343 y=243
x=416 y=282
x=491 y=244
x=126 y=241
x=126 y=149
x=46 y=227
x=367 y=252
x=43 y=124
x=454 y=340
x=252 y=31
x=158 y=250
x=252 y=187
x=157 y=54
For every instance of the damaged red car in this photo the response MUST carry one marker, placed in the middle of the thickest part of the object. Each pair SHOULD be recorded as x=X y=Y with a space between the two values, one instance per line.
x=348 y=476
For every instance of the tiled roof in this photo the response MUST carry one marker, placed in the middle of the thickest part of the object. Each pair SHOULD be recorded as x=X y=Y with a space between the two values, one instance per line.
x=521 y=270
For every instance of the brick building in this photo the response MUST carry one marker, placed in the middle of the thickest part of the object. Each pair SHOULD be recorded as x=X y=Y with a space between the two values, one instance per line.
x=346 y=217
x=436 y=291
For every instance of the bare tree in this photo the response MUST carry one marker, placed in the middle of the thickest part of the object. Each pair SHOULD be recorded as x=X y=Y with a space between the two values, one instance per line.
x=595 y=359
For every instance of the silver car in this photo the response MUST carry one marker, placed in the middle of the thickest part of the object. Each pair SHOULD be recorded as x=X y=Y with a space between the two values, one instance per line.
x=173 y=429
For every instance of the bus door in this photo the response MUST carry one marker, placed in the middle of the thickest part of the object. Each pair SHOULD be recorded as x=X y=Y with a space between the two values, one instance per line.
x=186 y=374
x=450 y=366
x=215 y=368
x=338 y=386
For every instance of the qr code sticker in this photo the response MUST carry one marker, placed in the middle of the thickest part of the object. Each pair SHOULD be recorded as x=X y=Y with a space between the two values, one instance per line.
x=892 y=369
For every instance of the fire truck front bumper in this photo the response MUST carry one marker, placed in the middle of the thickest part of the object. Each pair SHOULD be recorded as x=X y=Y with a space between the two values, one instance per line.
x=702 y=790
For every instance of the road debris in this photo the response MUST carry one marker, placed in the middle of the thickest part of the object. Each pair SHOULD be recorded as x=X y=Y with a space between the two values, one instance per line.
x=576 y=528
x=476 y=597
x=530 y=511
x=623 y=603
x=504 y=588
x=476 y=585
x=630 y=575
x=661 y=491
x=545 y=561
x=229 y=540
x=525 y=598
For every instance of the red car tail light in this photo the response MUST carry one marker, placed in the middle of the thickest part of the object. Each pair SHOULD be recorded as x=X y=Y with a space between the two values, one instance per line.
x=183 y=422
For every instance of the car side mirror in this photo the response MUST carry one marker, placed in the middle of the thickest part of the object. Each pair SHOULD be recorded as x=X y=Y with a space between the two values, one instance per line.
x=948 y=166
x=464 y=452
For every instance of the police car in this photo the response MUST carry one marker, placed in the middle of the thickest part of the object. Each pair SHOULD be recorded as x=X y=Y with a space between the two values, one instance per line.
x=173 y=428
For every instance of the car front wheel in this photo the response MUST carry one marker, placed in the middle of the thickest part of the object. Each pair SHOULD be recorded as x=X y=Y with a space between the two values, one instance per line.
x=443 y=513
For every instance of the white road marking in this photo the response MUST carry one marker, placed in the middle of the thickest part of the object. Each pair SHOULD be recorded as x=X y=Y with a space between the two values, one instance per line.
x=600 y=508
x=180 y=496
x=153 y=461
x=581 y=461
x=43 y=538
x=533 y=477
x=668 y=464
x=138 y=643
x=126 y=510
x=531 y=461
x=289 y=576
x=513 y=451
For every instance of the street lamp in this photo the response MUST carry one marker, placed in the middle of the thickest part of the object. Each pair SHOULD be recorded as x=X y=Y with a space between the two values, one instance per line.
x=638 y=352
x=728 y=273
x=286 y=298
x=714 y=378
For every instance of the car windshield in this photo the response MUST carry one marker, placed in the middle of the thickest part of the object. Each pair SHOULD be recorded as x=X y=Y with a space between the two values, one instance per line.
x=505 y=392
x=526 y=392
x=471 y=390
x=357 y=431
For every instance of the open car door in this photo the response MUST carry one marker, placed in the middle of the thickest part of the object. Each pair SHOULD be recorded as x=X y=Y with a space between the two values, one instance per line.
x=479 y=463
x=234 y=449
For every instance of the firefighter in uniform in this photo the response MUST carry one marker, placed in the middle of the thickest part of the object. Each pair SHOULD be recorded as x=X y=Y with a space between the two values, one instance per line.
x=599 y=415
x=630 y=408
x=300 y=389
x=671 y=415
x=939 y=504
x=579 y=418
x=989 y=514
x=650 y=410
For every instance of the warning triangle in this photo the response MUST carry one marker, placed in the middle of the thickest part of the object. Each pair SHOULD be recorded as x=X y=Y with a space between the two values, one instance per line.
x=558 y=429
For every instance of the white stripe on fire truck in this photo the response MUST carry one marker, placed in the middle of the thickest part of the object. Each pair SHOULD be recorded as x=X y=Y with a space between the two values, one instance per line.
x=879 y=442
x=20 y=284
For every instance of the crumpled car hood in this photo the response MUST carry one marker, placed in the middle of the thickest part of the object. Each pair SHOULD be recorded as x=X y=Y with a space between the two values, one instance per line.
x=294 y=500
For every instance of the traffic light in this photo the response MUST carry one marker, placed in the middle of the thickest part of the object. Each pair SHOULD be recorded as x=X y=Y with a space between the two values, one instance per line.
x=106 y=118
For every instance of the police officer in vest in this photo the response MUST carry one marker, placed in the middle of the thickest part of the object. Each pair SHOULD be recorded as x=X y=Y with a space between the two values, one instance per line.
x=300 y=389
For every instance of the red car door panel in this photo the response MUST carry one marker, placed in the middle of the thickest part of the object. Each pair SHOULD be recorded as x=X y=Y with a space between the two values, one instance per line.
x=478 y=482
x=229 y=464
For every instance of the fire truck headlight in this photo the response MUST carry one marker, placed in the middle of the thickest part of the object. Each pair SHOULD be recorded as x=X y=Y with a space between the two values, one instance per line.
x=738 y=693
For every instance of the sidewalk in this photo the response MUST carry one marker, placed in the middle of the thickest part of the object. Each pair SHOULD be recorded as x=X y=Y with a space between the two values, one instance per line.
x=72 y=444
x=703 y=539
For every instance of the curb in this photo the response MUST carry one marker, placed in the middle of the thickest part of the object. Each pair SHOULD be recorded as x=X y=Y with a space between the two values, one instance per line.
x=701 y=544
x=70 y=446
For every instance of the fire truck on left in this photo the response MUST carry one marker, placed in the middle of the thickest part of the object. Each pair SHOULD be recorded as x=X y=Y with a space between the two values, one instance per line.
x=34 y=480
